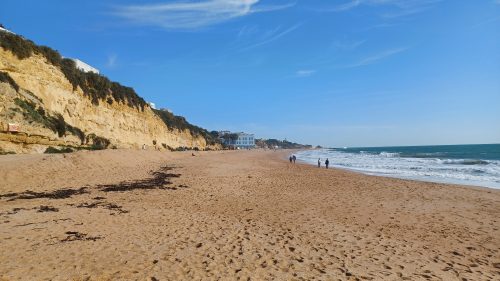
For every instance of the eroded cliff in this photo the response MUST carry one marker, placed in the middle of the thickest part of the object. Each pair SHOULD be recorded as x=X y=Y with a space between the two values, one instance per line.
x=37 y=96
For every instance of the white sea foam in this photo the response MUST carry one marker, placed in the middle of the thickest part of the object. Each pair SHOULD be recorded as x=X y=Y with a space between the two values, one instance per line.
x=460 y=171
x=389 y=154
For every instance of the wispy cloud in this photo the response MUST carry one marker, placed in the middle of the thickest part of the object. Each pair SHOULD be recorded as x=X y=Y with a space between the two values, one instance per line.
x=378 y=57
x=305 y=73
x=403 y=4
x=401 y=7
x=192 y=14
x=270 y=36
x=347 y=6
x=247 y=30
x=348 y=45
x=111 y=61
x=404 y=12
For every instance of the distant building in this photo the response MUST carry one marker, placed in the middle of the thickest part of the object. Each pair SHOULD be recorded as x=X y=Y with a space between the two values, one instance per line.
x=2 y=28
x=245 y=140
x=84 y=67
x=238 y=140
x=223 y=133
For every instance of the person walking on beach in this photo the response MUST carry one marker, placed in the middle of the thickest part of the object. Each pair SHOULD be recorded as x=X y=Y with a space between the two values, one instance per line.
x=291 y=159
x=294 y=158
x=327 y=163
x=319 y=162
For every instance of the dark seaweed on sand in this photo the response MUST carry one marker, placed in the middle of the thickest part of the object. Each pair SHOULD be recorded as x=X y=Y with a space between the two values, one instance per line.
x=105 y=205
x=159 y=181
x=42 y=209
x=57 y=194
x=77 y=236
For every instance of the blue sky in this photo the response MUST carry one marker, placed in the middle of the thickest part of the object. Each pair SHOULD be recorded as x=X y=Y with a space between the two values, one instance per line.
x=333 y=73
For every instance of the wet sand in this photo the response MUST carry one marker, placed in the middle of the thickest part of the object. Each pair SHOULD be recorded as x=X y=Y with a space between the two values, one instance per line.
x=144 y=215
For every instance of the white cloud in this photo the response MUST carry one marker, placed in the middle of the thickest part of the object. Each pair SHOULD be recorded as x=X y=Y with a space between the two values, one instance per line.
x=378 y=57
x=192 y=15
x=305 y=73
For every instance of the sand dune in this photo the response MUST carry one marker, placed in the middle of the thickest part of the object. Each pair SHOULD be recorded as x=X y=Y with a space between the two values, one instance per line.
x=144 y=215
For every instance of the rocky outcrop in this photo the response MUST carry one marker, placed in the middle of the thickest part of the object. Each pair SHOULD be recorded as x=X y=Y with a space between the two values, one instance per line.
x=45 y=97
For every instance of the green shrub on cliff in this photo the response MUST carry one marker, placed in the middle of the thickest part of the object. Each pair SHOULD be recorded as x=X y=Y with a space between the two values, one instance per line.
x=96 y=87
x=5 y=77
x=52 y=56
x=19 y=46
x=51 y=150
x=280 y=143
x=180 y=123
x=97 y=143
x=59 y=125
x=31 y=113
x=56 y=123
x=76 y=132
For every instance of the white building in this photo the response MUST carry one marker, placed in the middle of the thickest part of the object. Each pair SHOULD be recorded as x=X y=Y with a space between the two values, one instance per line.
x=5 y=30
x=243 y=141
x=84 y=67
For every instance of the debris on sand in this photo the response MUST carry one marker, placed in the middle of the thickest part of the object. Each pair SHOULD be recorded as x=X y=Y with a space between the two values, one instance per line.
x=105 y=205
x=160 y=180
x=43 y=208
x=14 y=211
x=56 y=194
x=78 y=236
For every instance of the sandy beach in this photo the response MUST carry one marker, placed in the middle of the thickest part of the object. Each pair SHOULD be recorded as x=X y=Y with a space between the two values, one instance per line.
x=241 y=215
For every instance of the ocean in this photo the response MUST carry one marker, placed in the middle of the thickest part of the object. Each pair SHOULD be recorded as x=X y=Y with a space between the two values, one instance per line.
x=475 y=164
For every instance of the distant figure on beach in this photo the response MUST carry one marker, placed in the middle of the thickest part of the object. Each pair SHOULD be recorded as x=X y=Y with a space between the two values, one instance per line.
x=319 y=162
x=143 y=146
x=291 y=158
x=294 y=158
x=327 y=163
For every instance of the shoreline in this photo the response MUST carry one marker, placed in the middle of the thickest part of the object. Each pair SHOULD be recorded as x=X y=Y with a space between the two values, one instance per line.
x=235 y=214
x=4 y=159
x=471 y=183
x=403 y=178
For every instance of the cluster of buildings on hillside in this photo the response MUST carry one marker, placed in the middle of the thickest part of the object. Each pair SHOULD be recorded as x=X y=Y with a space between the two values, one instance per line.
x=240 y=140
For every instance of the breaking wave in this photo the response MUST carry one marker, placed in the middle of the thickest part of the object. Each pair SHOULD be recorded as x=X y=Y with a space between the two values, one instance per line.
x=418 y=166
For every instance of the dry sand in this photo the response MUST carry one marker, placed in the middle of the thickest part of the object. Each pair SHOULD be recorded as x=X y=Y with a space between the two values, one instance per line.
x=235 y=215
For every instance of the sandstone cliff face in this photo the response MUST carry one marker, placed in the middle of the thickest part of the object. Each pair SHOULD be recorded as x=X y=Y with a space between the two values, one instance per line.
x=45 y=85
